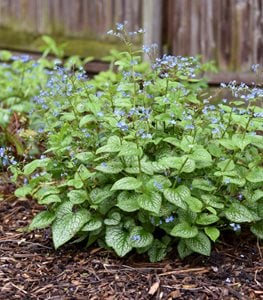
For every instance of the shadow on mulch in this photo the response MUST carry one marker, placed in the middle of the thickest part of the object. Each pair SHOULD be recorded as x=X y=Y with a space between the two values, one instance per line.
x=31 y=269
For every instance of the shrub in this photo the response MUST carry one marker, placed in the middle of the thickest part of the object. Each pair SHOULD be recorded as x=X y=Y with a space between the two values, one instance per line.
x=21 y=79
x=136 y=159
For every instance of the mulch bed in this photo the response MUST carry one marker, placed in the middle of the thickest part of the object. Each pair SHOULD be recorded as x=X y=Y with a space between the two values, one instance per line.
x=30 y=268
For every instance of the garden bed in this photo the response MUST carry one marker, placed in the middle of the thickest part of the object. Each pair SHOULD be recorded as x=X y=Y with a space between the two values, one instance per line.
x=32 y=269
x=141 y=167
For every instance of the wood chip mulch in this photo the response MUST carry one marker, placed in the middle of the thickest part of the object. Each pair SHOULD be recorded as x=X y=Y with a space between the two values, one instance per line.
x=30 y=268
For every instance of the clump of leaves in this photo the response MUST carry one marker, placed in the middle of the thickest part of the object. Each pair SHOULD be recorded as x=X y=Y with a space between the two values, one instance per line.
x=21 y=79
x=136 y=160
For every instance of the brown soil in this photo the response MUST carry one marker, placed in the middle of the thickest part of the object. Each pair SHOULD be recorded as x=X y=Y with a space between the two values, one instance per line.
x=30 y=268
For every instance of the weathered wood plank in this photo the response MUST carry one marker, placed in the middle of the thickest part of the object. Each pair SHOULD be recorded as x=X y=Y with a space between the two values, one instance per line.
x=229 y=32
x=152 y=22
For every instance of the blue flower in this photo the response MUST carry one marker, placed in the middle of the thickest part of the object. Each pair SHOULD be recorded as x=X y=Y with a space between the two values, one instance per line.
x=122 y=125
x=215 y=130
x=2 y=151
x=135 y=238
x=169 y=219
x=214 y=120
x=240 y=196
x=100 y=114
x=158 y=185
x=189 y=127
x=40 y=130
x=227 y=180
x=146 y=49
x=235 y=227
x=255 y=68
x=119 y=26
x=118 y=112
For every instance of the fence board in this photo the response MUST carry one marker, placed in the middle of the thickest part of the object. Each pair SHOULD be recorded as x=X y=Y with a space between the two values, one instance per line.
x=228 y=31
x=67 y=17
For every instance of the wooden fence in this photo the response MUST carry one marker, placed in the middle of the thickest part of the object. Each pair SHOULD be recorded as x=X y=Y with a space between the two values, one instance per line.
x=227 y=31
x=72 y=18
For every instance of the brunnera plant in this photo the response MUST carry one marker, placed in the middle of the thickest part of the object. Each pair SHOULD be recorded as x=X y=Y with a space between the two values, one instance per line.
x=136 y=159
x=21 y=78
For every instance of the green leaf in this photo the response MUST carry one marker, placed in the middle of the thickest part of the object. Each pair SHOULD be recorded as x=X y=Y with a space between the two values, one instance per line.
x=248 y=195
x=212 y=232
x=173 y=141
x=258 y=194
x=113 y=218
x=157 y=252
x=213 y=201
x=77 y=196
x=86 y=119
x=257 y=140
x=82 y=173
x=113 y=145
x=201 y=157
x=183 y=163
x=238 y=213
x=200 y=244
x=64 y=229
x=67 y=117
x=112 y=167
x=128 y=201
x=122 y=102
x=147 y=167
x=228 y=144
x=211 y=210
x=157 y=183
x=257 y=229
x=45 y=191
x=64 y=209
x=150 y=201
x=184 y=230
x=129 y=149
x=85 y=156
x=234 y=180
x=177 y=196
x=187 y=143
x=53 y=198
x=226 y=165
x=255 y=175
x=240 y=141
x=126 y=183
x=5 y=55
x=187 y=166
x=260 y=209
x=33 y=165
x=119 y=239
x=23 y=191
x=98 y=195
x=93 y=224
x=157 y=167
x=194 y=204
x=140 y=238
x=215 y=150
x=206 y=219
x=42 y=220
x=203 y=184
x=76 y=183
x=183 y=250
